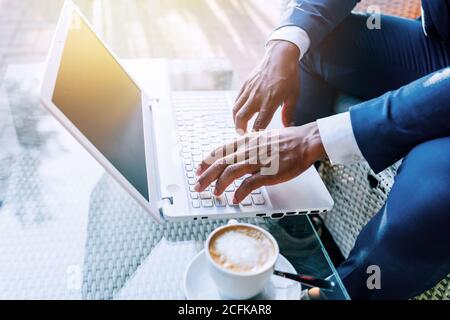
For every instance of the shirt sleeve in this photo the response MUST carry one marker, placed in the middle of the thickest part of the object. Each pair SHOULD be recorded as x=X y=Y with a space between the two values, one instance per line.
x=339 y=140
x=293 y=34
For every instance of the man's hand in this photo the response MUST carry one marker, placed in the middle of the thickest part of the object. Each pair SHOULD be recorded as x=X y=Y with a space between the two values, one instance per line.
x=269 y=157
x=272 y=83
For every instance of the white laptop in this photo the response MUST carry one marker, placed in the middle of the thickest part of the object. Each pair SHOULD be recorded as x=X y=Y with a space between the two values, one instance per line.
x=88 y=90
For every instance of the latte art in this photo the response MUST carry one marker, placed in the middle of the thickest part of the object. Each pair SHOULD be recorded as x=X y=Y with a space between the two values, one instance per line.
x=241 y=249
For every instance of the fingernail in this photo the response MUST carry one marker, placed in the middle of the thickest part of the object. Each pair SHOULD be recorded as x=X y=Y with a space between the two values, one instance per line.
x=216 y=193
x=197 y=187
x=241 y=132
x=235 y=200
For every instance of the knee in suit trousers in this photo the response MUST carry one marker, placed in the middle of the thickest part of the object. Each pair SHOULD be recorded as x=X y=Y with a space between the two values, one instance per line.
x=409 y=238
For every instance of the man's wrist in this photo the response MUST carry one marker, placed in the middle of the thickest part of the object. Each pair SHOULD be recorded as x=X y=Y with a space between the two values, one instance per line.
x=294 y=35
x=314 y=149
x=288 y=49
x=339 y=140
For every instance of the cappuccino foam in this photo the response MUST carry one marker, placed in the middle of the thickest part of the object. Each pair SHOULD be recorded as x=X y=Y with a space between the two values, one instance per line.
x=241 y=249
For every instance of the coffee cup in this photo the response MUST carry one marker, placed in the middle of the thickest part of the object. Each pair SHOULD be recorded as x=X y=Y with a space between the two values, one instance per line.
x=241 y=259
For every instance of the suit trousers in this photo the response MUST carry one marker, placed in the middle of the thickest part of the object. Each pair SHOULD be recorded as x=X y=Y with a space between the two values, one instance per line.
x=408 y=240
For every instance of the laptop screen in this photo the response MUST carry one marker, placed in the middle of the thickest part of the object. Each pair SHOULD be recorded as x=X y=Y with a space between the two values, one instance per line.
x=100 y=99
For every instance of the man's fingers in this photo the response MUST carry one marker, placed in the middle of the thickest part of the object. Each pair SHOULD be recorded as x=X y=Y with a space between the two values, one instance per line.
x=249 y=184
x=263 y=119
x=218 y=153
x=240 y=101
x=241 y=91
x=211 y=174
x=244 y=115
x=233 y=172
x=288 y=111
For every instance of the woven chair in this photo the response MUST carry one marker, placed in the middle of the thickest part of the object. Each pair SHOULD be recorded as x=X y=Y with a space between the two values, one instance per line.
x=357 y=191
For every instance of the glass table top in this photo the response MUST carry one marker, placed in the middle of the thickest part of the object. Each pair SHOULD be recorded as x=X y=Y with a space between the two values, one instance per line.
x=69 y=231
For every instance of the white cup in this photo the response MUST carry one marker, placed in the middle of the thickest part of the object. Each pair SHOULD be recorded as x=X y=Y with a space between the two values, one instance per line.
x=235 y=285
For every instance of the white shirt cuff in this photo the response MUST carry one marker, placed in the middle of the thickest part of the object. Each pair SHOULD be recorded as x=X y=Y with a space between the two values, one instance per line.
x=293 y=34
x=339 y=140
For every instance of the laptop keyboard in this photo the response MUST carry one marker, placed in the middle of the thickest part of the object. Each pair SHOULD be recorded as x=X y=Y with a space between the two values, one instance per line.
x=204 y=122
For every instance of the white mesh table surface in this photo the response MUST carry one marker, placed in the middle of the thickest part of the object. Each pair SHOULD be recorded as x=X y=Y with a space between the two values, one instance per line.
x=69 y=231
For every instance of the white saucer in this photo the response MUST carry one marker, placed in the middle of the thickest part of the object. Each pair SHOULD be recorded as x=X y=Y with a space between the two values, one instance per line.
x=198 y=284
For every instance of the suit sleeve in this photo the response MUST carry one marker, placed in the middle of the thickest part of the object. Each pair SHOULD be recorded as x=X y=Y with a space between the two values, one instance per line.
x=388 y=127
x=317 y=17
x=435 y=19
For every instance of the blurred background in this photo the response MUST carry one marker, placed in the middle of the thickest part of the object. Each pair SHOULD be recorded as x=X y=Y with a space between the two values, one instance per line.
x=182 y=29
x=175 y=29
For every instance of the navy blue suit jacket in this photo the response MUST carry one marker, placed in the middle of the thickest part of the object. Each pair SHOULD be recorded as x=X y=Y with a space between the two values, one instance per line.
x=319 y=17
x=388 y=127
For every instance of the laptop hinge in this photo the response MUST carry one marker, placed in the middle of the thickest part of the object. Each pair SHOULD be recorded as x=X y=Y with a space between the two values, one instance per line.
x=152 y=101
x=167 y=201
x=161 y=213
